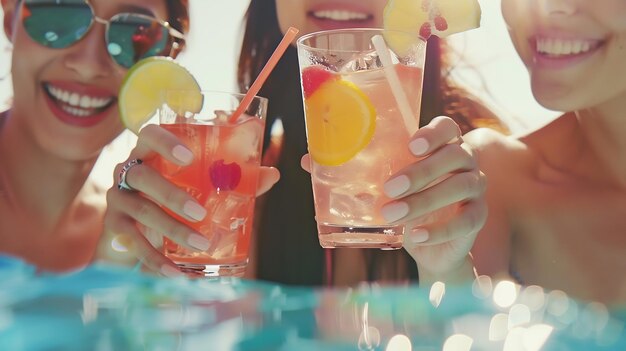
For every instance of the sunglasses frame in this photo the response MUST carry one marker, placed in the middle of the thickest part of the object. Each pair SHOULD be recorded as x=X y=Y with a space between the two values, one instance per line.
x=176 y=40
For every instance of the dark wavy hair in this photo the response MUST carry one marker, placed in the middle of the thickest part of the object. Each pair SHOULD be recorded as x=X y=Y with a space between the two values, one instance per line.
x=178 y=12
x=287 y=248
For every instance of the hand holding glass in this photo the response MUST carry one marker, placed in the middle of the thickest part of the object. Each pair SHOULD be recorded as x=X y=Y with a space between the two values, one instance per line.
x=362 y=104
x=223 y=176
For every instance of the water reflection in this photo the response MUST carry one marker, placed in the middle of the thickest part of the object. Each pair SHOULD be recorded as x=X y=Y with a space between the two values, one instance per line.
x=102 y=308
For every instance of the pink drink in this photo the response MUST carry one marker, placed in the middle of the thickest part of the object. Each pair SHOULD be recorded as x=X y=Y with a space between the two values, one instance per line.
x=356 y=203
x=222 y=178
x=349 y=196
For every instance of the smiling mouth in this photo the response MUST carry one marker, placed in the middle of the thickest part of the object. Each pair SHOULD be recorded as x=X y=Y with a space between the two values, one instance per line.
x=556 y=48
x=341 y=15
x=75 y=104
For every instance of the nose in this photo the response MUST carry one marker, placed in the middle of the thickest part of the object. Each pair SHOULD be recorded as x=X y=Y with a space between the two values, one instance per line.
x=552 y=8
x=89 y=57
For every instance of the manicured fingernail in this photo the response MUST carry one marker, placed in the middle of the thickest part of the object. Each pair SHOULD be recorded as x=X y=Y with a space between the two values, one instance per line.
x=397 y=186
x=194 y=210
x=199 y=242
x=170 y=271
x=418 y=146
x=395 y=211
x=418 y=235
x=182 y=154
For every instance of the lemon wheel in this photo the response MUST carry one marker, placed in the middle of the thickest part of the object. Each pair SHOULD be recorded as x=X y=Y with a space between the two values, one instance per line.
x=340 y=121
x=437 y=17
x=144 y=90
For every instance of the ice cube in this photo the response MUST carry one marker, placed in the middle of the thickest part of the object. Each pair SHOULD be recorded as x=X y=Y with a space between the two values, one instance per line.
x=223 y=244
x=221 y=117
x=243 y=144
x=228 y=218
x=363 y=62
x=231 y=211
x=354 y=201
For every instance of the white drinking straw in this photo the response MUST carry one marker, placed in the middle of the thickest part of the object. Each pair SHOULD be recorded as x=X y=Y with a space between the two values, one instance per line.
x=394 y=82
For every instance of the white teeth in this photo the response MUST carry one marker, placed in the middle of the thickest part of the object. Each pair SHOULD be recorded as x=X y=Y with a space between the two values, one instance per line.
x=77 y=103
x=74 y=99
x=85 y=101
x=585 y=47
x=340 y=15
x=75 y=111
x=559 y=47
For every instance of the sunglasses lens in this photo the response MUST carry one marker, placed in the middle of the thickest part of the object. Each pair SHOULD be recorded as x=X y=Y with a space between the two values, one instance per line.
x=56 y=24
x=133 y=37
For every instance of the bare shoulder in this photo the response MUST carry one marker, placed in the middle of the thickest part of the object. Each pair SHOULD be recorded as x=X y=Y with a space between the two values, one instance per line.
x=520 y=151
x=487 y=139
x=494 y=150
x=504 y=159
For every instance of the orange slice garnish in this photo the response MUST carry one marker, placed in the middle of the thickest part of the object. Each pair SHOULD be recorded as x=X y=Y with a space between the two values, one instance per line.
x=340 y=122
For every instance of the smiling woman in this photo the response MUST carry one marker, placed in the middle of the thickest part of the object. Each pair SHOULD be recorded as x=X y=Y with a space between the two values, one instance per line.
x=293 y=228
x=562 y=225
x=215 y=69
x=65 y=76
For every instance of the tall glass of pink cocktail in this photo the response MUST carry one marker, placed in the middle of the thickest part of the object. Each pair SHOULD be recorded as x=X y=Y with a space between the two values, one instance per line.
x=223 y=176
x=360 y=112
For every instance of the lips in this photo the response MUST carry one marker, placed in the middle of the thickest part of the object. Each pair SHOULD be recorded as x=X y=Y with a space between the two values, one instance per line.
x=76 y=104
x=338 y=16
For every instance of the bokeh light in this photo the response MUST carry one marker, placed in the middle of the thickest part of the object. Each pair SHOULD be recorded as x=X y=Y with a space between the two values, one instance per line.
x=437 y=292
x=518 y=315
x=505 y=293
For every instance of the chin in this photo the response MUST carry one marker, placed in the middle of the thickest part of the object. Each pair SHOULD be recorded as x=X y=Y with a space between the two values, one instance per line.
x=72 y=147
x=556 y=104
x=555 y=97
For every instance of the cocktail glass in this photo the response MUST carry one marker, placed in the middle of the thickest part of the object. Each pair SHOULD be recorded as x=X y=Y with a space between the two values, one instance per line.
x=222 y=178
x=362 y=105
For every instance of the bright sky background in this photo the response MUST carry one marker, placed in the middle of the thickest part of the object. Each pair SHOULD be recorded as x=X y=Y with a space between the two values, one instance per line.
x=213 y=47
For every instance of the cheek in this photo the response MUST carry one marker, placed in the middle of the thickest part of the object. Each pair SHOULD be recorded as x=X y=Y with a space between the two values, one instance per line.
x=517 y=15
x=522 y=46
x=617 y=70
x=24 y=71
x=291 y=13
x=507 y=11
x=611 y=13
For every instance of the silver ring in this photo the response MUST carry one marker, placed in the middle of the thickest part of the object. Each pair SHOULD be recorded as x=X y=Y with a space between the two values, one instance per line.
x=121 y=183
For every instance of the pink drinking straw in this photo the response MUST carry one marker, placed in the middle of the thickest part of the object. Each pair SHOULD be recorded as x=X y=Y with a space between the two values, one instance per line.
x=265 y=72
